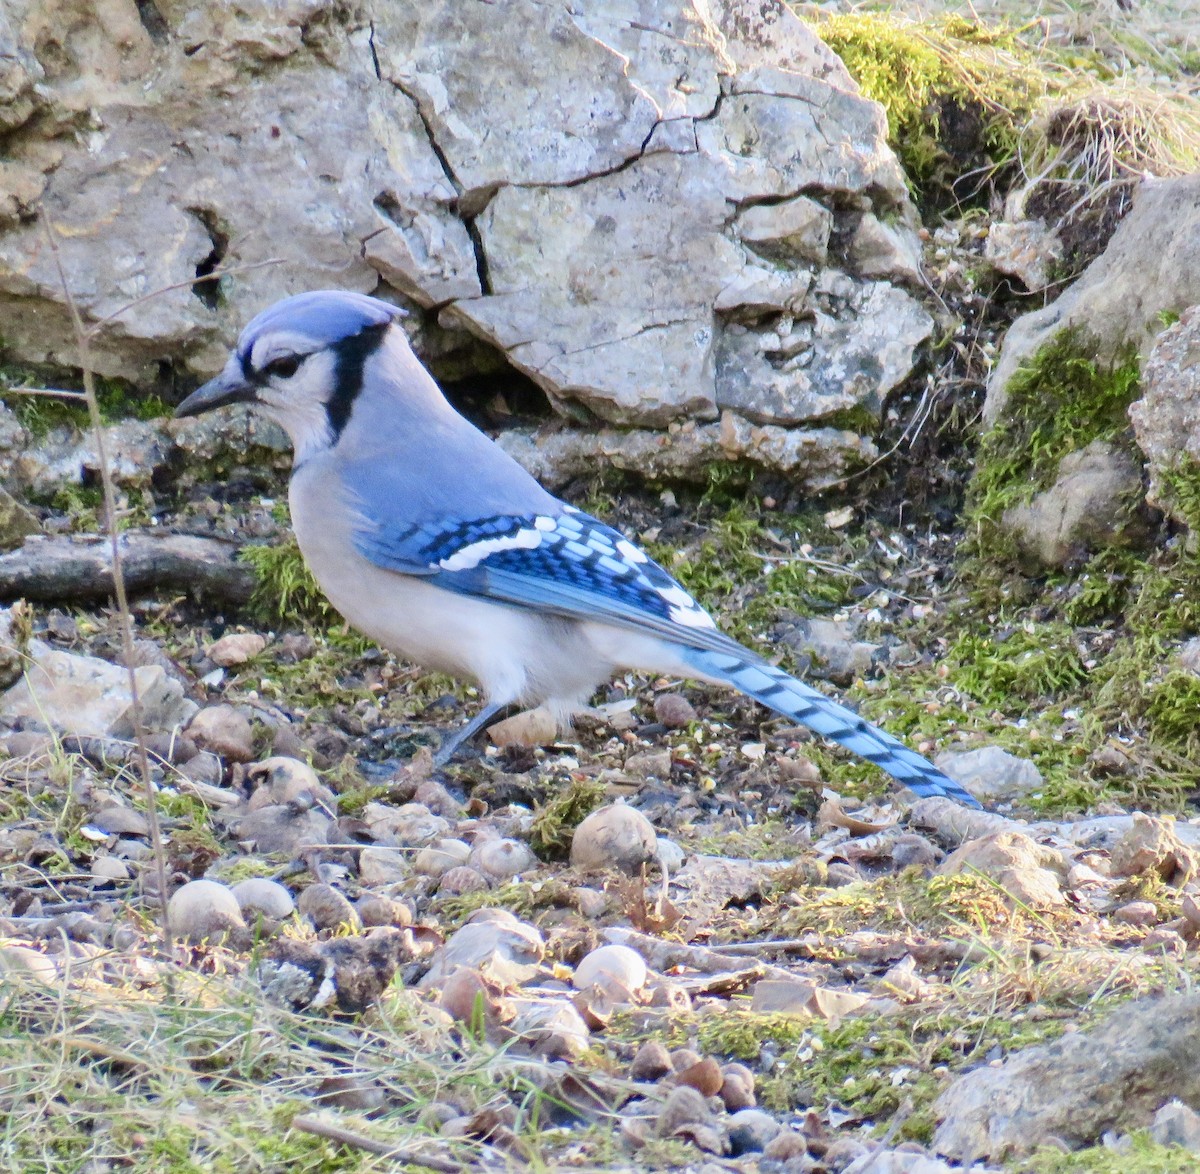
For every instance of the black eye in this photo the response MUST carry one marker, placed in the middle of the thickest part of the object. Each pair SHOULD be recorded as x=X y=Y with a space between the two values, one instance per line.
x=283 y=367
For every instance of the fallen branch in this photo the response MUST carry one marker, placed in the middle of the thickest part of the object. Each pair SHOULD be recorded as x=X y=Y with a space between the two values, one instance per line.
x=359 y=1141
x=74 y=569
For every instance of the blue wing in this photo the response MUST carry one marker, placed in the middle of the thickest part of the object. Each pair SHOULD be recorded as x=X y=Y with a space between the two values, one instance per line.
x=565 y=563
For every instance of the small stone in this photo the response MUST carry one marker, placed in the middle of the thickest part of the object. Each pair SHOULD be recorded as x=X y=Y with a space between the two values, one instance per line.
x=236 y=649
x=383 y=866
x=466 y=993
x=551 y=1028
x=1152 y=846
x=224 y=731
x=652 y=1062
x=684 y=1058
x=704 y=1076
x=440 y=857
x=737 y=1088
x=684 y=1107
x=989 y=773
x=533 y=727
x=117 y=820
x=433 y=795
x=23 y=962
x=592 y=903
x=109 y=868
x=502 y=860
x=259 y=896
x=378 y=911
x=203 y=767
x=784 y=1147
x=295 y=647
x=674 y=710
x=750 y=1131
x=1028 y=872
x=327 y=909
x=281 y=828
x=283 y=779
x=204 y=910
x=619 y=964
x=650 y=764
x=1177 y=1124
x=613 y=837
x=461 y=880
x=1136 y=913
x=500 y=947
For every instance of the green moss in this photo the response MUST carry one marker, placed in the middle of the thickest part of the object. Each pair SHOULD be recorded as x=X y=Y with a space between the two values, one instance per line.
x=285 y=590
x=1059 y=401
x=1179 y=492
x=741 y=1034
x=932 y=77
x=555 y=822
x=39 y=414
x=1030 y=662
x=1142 y=1155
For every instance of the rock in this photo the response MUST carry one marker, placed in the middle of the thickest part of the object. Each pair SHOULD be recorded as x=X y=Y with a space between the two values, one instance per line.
x=501 y=860
x=533 y=727
x=16 y=522
x=236 y=648
x=455 y=882
x=109 y=868
x=259 y=896
x=686 y=1114
x=1025 y=249
x=1151 y=845
x=773 y=996
x=613 y=837
x=750 y=1130
x=650 y=764
x=814 y=458
x=617 y=964
x=891 y=251
x=652 y=1062
x=551 y=1028
x=1027 y=872
x=440 y=857
x=1112 y=1077
x=327 y=909
x=676 y=143
x=203 y=910
x=900 y=1161
x=737 y=1088
x=830 y=650
x=1093 y=504
x=383 y=866
x=224 y=731
x=203 y=767
x=1177 y=1124
x=1136 y=913
x=788 y=1147
x=673 y=710
x=23 y=963
x=375 y=910
x=15 y=628
x=89 y=697
x=704 y=1076
x=1166 y=419
x=411 y=825
x=506 y=950
x=989 y=773
x=1151 y=266
x=792 y=230
x=284 y=829
x=118 y=820
x=286 y=780
x=466 y=994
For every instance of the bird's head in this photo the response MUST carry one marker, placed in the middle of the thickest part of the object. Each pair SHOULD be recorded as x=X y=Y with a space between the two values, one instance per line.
x=301 y=362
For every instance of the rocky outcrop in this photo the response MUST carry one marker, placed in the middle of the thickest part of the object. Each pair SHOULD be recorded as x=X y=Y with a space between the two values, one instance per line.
x=1151 y=267
x=682 y=211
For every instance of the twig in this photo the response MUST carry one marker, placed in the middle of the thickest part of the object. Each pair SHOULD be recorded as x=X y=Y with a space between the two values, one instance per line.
x=327 y=1129
x=125 y=618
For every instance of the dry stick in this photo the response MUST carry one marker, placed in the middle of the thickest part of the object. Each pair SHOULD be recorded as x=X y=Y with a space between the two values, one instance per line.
x=125 y=618
x=83 y=336
x=327 y=1129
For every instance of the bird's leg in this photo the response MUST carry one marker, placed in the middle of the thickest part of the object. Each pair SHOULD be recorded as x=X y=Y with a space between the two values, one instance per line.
x=450 y=745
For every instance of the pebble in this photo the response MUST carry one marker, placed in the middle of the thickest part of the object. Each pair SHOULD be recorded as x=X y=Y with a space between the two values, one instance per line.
x=327 y=909
x=224 y=731
x=751 y=1130
x=618 y=963
x=204 y=910
x=674 y=710
x=236 y=648
x=613 y=837
x=258 y=895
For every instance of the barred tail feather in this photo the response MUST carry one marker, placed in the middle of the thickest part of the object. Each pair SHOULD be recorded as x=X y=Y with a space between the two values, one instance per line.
x=793 y=699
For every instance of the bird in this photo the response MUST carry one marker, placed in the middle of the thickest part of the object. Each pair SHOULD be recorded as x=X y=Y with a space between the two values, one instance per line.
x=434 y=542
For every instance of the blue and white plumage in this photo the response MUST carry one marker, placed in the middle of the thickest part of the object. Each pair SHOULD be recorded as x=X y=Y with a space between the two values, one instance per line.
x=429 y=538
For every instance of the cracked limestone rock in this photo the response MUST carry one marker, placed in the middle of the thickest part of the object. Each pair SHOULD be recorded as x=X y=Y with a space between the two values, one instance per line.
x=686 y=210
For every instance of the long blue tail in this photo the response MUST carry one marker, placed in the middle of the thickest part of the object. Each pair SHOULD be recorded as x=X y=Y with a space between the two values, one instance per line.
x=776 y=690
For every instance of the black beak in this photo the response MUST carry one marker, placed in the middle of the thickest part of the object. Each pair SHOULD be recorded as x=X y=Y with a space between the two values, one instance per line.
x=230 y=387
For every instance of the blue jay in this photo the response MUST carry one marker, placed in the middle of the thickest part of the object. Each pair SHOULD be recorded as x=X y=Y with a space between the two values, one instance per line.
x=429 y=538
